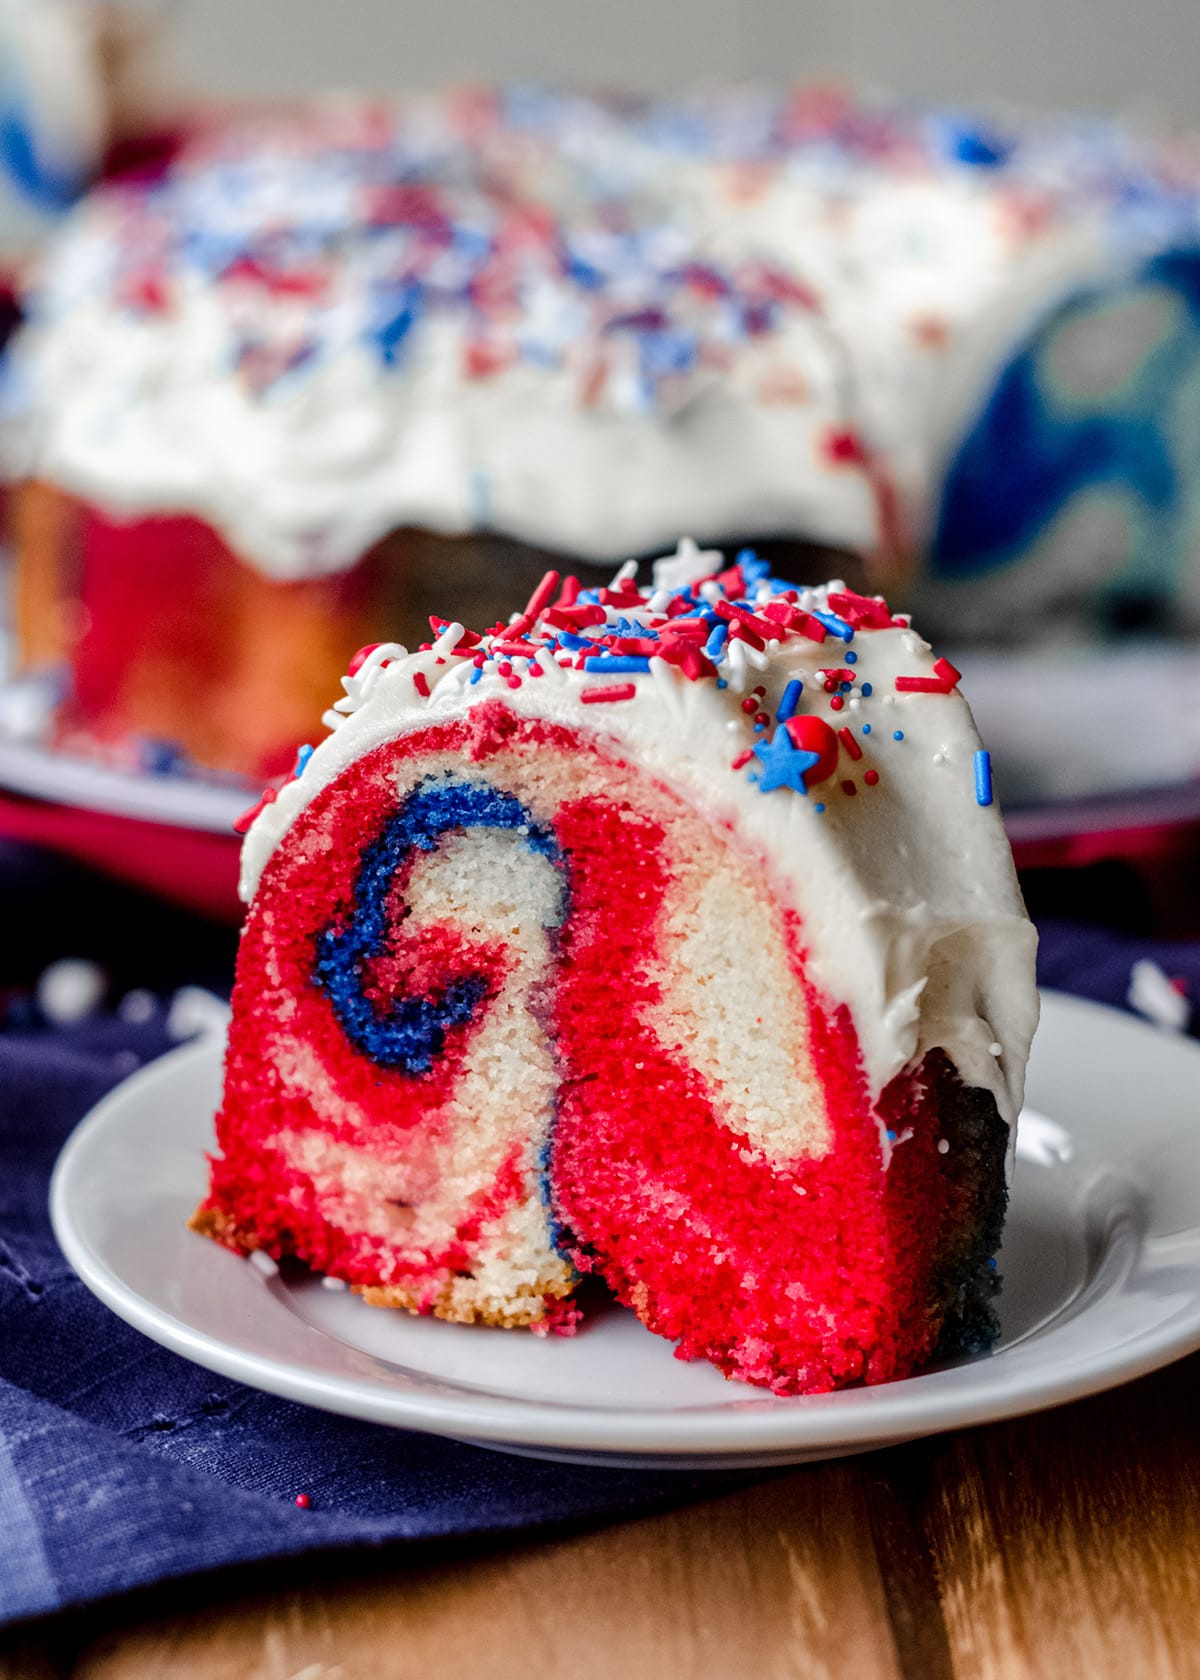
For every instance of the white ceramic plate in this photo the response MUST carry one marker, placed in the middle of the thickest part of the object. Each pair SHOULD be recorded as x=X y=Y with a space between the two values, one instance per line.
x=1101 y=1260
x=183 y=801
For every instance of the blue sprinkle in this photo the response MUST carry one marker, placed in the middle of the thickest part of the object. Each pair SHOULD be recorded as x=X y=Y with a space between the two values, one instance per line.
x=716 y=642
x=897 y=734
x=977 y=148
x=575 y=643
x=476 y=673
x=837 y=625
x=162 y=758
x=818 y=809
x=302 y=758
x=992 y=1263
x=983 y=777
x=866 y=728
x=721 y=683
x=867 y=690
x=397 y=316
x=754 y=567
x=891 y=1137
x=851 y=657
x=611 y=664
x=759 y=727
x=844 y=688
x=791 y=699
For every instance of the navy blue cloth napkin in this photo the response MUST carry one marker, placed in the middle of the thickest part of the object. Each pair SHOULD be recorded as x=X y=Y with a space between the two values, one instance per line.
x=121 y=1464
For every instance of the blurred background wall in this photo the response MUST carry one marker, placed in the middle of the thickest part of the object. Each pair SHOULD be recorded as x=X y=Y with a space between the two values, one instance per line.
x=1105 y=53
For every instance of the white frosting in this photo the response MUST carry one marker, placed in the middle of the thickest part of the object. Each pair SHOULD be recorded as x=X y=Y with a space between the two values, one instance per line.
x=911 y=909
x=672 y=312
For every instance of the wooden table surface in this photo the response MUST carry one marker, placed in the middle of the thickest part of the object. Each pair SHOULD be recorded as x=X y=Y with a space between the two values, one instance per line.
x=1057 y=1546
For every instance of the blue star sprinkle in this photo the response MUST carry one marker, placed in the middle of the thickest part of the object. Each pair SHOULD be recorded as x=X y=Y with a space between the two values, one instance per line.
x=784 y=763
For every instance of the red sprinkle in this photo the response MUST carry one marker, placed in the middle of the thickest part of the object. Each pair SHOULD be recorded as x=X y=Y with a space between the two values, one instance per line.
x=836 y=703
x=749 y=706
x=742 y=759
x=871 y=777
x=572 y=618
x=618 y=691
x=947 y=672
x=540 y=599
x=944 y=682
x=687 y=656
x=862 y=612
x=761 y=626
x=845 y=449
x=303 y=1501
x=421 y=684
x=849 y=788
x=848 y=739
x=242 y=823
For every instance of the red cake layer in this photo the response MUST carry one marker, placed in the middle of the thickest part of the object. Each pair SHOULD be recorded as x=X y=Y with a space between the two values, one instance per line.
x=799 y=1274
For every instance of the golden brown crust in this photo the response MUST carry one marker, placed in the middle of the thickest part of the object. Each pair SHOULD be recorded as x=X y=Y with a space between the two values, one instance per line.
x=209 y=1221
x=454 y=1301
x=456 y=1307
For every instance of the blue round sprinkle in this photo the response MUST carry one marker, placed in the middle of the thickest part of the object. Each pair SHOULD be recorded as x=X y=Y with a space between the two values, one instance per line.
x=866 y=728
x=867 y=690
x=897 y=734
x=721 y=683
x=759 y=727
x=818 y=809
x=851 y=657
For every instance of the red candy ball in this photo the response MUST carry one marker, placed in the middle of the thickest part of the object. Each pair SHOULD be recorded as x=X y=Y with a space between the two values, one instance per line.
x=813 y=734
x=361 y=657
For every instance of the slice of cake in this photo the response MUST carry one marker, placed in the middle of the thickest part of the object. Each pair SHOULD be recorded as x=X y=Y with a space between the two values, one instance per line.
x=669 y=936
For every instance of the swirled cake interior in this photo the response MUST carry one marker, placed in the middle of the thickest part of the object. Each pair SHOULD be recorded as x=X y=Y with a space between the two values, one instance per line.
x=518 y=1005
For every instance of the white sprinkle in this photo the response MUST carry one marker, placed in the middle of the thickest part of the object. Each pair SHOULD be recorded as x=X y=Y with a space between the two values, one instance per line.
x=522 y=828
x=70 y=990
x=626 y=574
x=447 y=641
x=334 y=1283
x=195 y=1010
x=1152 y=995
x=943 y=1146
x=263 y=1263
x=137 y=1006
x=995 y=1049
